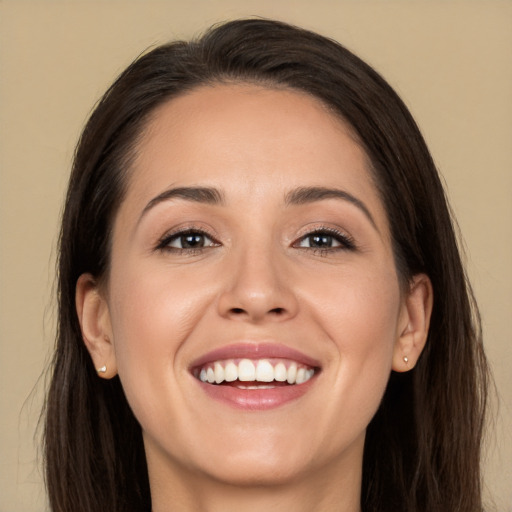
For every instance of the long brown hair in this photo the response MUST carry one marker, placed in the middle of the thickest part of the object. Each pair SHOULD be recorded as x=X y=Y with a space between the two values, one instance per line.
x=422 y=449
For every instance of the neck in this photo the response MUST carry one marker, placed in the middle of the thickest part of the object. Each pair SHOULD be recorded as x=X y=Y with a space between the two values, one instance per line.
x=329 y=489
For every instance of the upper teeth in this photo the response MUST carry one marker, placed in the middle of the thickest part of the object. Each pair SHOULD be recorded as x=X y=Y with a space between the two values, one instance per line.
x=261 y=370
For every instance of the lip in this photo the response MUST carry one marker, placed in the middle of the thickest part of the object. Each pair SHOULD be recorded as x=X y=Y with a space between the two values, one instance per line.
x=255 y=399
x=255 y=351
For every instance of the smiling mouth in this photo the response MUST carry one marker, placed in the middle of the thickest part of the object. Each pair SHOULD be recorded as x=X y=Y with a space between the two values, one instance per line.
x=254 y=373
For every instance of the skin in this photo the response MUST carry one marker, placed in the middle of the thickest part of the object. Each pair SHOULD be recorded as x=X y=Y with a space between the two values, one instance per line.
x=259 y=279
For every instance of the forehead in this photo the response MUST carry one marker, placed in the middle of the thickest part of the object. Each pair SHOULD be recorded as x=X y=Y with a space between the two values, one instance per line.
x=224 y=117
x=241 y=137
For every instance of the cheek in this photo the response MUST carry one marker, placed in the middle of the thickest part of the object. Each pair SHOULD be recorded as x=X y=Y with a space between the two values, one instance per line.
x=153 y=313
x=151 y=305
x=358 y=308
x=360 y=319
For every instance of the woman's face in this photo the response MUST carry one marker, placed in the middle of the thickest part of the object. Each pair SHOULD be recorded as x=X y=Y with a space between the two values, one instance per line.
x=252 y=250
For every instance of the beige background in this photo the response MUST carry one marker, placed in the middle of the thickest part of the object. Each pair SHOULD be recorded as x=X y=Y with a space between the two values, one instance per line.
x=451 y=61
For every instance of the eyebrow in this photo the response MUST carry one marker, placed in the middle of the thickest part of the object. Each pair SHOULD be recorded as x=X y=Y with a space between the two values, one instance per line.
x=305 y=195
x=205 y=195
x=298 y=196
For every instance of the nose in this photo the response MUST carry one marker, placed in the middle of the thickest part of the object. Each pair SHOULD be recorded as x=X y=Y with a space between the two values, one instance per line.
x=259 y=288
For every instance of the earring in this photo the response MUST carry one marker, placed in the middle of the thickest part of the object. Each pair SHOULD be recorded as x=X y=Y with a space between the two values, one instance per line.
x=103 y=369
x=406 y=359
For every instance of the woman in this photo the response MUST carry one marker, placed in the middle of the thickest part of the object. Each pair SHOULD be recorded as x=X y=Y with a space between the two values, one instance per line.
x=262 y=303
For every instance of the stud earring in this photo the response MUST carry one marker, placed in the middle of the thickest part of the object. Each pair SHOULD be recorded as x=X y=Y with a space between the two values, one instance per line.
x=406 y=359
x=103 y=369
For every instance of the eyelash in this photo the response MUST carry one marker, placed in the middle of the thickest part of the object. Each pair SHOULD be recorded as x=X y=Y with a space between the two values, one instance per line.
x=166 y=240
x=346 y=243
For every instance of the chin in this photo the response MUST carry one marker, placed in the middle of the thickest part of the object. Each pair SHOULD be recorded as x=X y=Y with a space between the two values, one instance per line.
x=257 y=472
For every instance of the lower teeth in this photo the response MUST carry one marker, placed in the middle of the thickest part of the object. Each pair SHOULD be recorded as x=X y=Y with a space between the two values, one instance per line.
x=256 y=387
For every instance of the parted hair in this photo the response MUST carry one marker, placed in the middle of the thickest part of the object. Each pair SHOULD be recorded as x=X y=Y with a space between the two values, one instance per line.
x=422 y=449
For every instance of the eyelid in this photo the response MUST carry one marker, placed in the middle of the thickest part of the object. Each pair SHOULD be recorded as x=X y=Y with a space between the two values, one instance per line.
x=164 y=240
x=346 y=240
x=208 y=241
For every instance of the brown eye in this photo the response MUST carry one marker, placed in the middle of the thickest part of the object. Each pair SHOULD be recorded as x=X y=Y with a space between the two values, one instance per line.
x=326 y=240
x=320 y=241
x=190 y=241
x=187 y=240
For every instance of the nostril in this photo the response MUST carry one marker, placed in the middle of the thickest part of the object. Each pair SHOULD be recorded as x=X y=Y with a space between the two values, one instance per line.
x=241 y=311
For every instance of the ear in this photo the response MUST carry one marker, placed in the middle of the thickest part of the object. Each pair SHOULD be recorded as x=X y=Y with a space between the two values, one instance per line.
x=414 y=323
x=94 y=317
